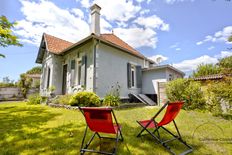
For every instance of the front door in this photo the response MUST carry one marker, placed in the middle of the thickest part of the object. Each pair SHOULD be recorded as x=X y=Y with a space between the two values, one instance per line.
x=64 y=83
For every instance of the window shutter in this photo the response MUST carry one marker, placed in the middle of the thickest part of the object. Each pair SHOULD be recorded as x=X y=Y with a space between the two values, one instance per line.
x=139 y=76
x=83 y=70
x=129 y=75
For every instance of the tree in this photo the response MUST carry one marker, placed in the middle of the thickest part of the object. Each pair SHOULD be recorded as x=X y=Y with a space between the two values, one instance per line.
x=230 y=39
x=35 y=70
x=225 y=65
x=24 y=84
x=206 y=69
x=6 y=35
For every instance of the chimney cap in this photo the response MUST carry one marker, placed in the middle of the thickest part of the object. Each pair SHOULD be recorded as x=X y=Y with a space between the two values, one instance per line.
x=95 y=6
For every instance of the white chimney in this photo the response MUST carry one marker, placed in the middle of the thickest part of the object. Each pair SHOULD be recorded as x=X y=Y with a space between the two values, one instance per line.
x=95 y=19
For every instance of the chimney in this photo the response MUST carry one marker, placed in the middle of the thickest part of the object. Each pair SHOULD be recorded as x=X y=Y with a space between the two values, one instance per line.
x=95 y=19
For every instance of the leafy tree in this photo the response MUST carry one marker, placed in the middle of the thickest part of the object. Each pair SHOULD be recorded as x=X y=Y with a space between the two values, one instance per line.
x=35 y=70
x=230 y=39
x=6 y=35
x=225 y=65
x=206 y=69
x=24 y=84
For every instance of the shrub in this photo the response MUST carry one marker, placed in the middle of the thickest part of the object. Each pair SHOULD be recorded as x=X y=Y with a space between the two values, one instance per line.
x=111 y=100
x=113 y=97
x=34 y=99
x=85 y=99
x=220 y=93
x=188 y=91
x=63 y=99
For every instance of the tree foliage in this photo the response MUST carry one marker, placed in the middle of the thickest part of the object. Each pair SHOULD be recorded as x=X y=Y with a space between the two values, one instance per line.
x=230 y=39
x=188 y=91
x=6 y=35
x=206 y=69
x=24 y=84
x=225 y=65
x=35 y=70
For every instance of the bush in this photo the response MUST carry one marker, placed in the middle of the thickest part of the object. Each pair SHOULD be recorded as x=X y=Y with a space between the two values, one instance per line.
x=111 y=100
x=113 y=97
x=34 y=99
x=63 y=99
x=85 y=99
x=188 y=91
x=220 y=94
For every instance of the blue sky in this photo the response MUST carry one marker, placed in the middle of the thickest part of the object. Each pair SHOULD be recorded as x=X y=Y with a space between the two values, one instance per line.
x=183 y=33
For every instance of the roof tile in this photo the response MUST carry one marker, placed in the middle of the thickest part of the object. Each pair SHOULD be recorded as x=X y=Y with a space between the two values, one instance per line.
x=56 y=45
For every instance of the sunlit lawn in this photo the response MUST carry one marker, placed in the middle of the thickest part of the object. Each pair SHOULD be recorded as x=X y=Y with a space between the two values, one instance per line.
x=38 y=129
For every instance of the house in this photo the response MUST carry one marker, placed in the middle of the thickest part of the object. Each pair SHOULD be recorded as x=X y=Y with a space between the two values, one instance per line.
x=95 y=63
x=35 y=80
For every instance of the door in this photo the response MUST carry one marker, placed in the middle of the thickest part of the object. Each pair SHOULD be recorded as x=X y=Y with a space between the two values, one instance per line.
x=64 y=83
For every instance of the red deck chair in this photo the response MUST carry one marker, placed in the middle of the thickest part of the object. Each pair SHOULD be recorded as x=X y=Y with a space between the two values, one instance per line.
x=172 y=111
x=100 y=120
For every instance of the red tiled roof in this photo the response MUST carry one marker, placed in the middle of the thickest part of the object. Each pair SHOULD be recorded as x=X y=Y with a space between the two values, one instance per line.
x=209 y=77
x=56 y=45
x=117 y=41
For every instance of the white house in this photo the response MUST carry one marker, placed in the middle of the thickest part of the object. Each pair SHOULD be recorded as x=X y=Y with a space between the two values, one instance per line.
x=96 y=63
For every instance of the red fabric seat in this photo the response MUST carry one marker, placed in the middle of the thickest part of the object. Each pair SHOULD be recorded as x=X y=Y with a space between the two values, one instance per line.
x=172 y=111
x=100 y=120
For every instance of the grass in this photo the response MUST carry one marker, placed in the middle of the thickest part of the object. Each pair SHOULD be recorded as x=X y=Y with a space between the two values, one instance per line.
x=37 y=129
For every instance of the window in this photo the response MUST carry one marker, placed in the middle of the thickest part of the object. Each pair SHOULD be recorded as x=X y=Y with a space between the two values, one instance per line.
x=132 y=76
x=73 y=66
x=170 y=77
x=79 y=72
x=48 y=78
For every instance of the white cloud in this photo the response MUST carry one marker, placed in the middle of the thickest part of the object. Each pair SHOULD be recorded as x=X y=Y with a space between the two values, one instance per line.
x=224 y=54
x=152 y=22
x=174 y=45
x=178 y=49
x=70 y=24
x=118 y=10
x=45 y=16
x=220 y=36
x=174 y=1
x=137 y=37
x=211 y=47
x=158 y=58
x=85 y=3
x=199 y=43
x=144 y=11
x=78 y=12
x=190 y=65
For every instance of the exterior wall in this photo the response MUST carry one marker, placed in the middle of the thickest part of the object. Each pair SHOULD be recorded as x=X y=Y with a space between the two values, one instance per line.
x=150 y=80
x=47 y=62
x=111 y=68
x=87 y=50
x=174 y=74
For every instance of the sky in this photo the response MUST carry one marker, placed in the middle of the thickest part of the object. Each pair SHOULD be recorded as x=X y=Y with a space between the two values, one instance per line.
x=182 y=33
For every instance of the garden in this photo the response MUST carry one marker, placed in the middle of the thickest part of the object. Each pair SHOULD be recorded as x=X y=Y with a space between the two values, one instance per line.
x=40 y=129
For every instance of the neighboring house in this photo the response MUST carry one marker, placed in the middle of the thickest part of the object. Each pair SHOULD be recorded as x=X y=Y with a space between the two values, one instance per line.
x=95 y=63
x=35 y=80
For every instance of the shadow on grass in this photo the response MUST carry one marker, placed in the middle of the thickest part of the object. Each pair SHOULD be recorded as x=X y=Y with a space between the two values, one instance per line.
x=24 y=130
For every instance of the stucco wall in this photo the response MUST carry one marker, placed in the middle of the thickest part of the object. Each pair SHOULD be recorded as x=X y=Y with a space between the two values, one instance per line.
x=87 y=50
x=150 y=80
x=111 y=67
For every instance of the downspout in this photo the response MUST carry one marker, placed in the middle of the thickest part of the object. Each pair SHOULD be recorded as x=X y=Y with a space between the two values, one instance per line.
x=94 y=64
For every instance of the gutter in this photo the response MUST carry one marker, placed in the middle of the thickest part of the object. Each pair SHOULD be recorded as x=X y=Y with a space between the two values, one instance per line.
x=94 y=64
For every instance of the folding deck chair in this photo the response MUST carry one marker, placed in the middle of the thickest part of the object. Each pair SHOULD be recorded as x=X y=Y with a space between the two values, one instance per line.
x=172 y=111
x=100 y=120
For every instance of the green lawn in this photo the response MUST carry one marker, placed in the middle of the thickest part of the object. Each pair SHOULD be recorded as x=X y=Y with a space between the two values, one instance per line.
x=38 y=129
